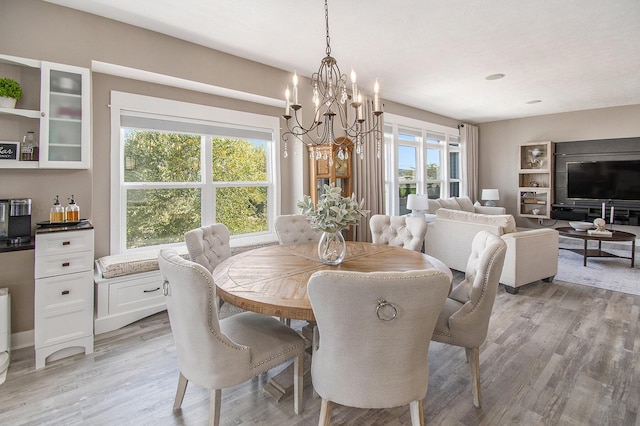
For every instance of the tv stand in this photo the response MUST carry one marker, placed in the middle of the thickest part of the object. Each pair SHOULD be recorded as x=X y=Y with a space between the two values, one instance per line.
x=625 y=213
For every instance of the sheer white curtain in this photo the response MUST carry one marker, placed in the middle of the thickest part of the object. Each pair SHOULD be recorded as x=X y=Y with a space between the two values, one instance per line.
x=368 y=174
x=469 y=137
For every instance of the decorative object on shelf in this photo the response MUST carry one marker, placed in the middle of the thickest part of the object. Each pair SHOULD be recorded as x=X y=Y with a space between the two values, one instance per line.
x=331 y=107
x=534 y=184
x=536 y=152
x=10 y=93
x=490 y=196
x=9 y=150
x=418 y=204
x=332 y=214
x=535 y=211
x=600 y=224
x=581 y=226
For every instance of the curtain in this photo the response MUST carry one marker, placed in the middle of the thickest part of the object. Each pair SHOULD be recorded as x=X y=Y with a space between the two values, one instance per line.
x=368 y=173
x=469 y=137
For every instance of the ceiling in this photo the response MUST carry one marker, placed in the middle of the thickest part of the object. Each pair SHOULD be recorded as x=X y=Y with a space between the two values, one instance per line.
x=430 y=54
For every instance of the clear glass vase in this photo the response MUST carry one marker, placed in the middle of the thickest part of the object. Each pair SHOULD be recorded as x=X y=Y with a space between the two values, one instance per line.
x=332 y=248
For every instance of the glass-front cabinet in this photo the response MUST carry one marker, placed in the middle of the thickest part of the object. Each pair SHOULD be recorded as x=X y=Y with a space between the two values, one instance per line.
x=55 y=106
x=64 y=127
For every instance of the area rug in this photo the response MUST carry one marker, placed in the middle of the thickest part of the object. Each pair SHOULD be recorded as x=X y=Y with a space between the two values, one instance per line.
x=607 y=273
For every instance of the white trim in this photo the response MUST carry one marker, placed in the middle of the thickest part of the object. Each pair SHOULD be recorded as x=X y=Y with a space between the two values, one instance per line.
x=128 y=102
x=22 y=339
x=167 y=80
x=419 y=124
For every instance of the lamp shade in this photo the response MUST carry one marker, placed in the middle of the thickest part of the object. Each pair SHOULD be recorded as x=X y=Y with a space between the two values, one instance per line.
x=418 y=202
x=490 y=194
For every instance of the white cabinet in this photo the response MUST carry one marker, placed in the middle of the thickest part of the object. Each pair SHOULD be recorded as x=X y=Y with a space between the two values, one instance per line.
x=60 y=113
x=63 y=292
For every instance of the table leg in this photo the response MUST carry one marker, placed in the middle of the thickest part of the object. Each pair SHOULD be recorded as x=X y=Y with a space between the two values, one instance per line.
x=281 y=385
x=585 y=253
x=633 y=252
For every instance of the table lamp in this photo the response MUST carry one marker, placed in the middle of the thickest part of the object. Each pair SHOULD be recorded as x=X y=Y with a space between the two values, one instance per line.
x=418 y=204
x=490 y=196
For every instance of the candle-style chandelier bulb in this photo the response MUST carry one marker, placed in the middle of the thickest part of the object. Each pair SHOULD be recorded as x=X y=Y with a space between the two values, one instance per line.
x=332 y=107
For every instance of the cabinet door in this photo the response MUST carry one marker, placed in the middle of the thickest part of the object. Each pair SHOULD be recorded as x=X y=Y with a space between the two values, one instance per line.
x=65 y=123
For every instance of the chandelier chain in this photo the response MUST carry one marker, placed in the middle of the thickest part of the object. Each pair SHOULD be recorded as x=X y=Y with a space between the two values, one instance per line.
x=326 y=20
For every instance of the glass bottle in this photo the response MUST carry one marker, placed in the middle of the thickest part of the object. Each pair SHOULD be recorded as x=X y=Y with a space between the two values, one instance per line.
x=56 y=214
x=26 y=148
x=35 y=152
x=72 y=211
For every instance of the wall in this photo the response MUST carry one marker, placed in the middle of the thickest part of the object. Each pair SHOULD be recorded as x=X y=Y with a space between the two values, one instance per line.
x=499 y=141
x=39 y=30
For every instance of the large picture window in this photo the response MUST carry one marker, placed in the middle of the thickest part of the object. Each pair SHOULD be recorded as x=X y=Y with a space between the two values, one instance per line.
x=422 y=158
x=175 y=173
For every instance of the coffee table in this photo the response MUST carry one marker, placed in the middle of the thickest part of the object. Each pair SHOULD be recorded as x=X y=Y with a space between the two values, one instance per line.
x=616 y=236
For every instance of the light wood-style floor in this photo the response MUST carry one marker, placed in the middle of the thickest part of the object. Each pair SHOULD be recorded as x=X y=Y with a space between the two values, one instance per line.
x=556 y=354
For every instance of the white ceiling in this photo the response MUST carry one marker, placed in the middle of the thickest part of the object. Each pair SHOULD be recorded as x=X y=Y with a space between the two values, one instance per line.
x=430 y=54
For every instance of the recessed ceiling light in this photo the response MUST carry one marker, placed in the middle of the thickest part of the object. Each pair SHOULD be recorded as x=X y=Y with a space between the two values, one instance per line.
x=494 y=77
x=535 y=101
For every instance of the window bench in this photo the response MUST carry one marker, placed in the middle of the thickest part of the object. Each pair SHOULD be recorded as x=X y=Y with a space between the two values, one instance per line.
x=128 y=287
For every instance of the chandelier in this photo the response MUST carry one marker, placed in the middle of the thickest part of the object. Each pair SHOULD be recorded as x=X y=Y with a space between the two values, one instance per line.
x=332 y=106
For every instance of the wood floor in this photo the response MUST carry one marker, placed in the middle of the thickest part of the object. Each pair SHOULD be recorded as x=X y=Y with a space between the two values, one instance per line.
x=556 y=354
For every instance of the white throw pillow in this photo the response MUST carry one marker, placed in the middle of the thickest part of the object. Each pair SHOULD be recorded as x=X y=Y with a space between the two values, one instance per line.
x=465 y=204
x=449 y=203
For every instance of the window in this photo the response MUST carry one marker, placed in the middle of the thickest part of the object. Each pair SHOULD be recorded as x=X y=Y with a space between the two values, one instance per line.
x=422 y=158
x=172 y=173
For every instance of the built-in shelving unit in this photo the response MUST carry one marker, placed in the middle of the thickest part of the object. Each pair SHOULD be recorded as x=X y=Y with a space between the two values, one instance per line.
x=535 y=179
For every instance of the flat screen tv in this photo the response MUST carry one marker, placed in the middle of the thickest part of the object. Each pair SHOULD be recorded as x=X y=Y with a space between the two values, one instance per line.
x=604 y=180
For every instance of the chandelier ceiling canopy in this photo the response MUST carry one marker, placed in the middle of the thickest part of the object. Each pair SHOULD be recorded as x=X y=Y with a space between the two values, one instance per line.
x=333 y=105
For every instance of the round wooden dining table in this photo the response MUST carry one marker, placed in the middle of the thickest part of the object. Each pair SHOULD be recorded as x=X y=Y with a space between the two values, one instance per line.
x=273 y=280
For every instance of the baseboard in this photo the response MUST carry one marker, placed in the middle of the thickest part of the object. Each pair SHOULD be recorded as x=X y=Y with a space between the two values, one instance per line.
x=22 y=339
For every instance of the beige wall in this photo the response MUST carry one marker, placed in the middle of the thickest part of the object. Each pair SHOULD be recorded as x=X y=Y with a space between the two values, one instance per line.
x=39 y=30
x=499 y=141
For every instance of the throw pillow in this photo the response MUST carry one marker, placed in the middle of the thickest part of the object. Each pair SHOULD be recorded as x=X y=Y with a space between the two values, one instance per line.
x=449 y=203
x=465 y=204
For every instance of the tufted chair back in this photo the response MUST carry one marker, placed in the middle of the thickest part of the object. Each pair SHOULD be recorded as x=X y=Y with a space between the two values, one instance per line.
x=208 y=245
x=369 y=350
x=402 y=231
x=216 y=353
x=294 y=228
x=464 y=319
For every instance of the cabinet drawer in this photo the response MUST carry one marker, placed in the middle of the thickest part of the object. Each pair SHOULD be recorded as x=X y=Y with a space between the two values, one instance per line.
x=63 y=325
x=64 y=242
x=63 y=292
x=124 y=297
x=63 y=264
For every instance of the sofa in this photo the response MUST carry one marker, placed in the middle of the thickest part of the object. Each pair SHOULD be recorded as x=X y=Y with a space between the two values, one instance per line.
x=458 y=203
x=531 y=255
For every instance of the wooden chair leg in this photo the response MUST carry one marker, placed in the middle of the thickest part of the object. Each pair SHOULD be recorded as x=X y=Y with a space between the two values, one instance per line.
x=215 y=399
x=182 y=388
x=325 y=413
x=417 y=413
x=298 y=384
x=473 y=355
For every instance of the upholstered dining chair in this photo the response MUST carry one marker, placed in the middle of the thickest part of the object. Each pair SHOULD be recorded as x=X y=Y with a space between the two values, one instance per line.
x=464 y=319
x=216 y=353
x=208 y=246
x=401 y=231
x=369 y=349
x=294 y=228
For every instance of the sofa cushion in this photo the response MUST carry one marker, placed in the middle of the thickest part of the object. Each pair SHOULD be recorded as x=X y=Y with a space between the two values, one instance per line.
x=449 y=203
x=433 y=206
x=505 y=221
x=465 y=204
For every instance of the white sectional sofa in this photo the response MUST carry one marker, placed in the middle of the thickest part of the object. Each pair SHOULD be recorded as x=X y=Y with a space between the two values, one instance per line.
x=532 y=255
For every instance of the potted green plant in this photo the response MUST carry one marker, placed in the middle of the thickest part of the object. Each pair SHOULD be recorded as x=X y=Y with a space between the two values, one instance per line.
x=10 y=93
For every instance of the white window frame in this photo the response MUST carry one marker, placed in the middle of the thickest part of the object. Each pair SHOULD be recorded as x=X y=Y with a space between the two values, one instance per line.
x=131 y=103
x=392 y=182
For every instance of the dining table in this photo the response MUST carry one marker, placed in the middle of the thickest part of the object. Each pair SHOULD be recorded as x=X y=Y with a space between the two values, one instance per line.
x=272 y=280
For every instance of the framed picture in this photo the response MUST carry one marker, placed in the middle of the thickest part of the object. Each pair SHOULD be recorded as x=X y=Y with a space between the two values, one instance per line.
x=9 y=150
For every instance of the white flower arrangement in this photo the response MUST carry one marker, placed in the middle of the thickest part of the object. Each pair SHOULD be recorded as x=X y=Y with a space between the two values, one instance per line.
x=333 y=212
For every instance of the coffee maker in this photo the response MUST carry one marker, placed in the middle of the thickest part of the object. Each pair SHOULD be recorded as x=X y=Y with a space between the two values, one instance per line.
x=15 y=220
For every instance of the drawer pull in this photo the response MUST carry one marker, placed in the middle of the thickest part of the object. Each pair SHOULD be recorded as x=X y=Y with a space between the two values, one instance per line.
x=66 y=243
x=66 y=264
x=65 y=292
x=151 y=291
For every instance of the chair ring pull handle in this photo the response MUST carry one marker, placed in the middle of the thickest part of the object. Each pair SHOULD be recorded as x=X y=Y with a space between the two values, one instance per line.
x=386 y=311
